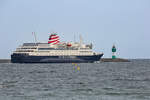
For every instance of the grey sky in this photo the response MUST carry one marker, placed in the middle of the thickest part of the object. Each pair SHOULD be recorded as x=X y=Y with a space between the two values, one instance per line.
x=125 y=23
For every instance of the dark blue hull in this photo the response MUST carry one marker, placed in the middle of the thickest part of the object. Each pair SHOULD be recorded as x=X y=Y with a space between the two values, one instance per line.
x=24 y=58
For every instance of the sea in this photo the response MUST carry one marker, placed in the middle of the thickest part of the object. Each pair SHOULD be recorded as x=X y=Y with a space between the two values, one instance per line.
x=76 y=81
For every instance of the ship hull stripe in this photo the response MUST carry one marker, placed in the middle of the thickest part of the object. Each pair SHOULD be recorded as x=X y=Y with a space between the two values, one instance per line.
x=51 y=38
x=52 y=41
x=17 y=58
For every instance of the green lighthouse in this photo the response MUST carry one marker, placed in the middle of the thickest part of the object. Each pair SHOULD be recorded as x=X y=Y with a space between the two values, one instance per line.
x=113 y=52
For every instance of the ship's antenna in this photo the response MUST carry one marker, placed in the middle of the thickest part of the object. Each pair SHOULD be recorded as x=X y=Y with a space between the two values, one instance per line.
x=34 y=37
x=74 y=38
x=81 y=40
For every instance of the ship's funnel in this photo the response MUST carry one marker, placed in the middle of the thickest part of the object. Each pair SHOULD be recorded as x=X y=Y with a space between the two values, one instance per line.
x=53 y=39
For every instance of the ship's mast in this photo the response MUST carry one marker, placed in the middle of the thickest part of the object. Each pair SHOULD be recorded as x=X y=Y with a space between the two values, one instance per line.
x=34 y=37
x=81 y=40
x=74 y=38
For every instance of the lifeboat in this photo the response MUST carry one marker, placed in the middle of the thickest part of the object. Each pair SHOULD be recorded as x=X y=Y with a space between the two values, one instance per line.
x=69 y=44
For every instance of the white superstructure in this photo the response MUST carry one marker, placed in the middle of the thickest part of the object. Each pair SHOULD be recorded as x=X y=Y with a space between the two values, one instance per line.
x=56 y=48
x=44 y=49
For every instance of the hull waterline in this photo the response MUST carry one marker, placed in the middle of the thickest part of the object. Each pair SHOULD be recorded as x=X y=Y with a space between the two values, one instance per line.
x=17 y=58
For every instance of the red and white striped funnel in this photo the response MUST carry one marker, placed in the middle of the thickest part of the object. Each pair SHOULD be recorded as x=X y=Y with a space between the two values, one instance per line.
x=53 y=39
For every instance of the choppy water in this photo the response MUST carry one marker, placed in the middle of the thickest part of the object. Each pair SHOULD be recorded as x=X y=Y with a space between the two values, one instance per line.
x=103 y=81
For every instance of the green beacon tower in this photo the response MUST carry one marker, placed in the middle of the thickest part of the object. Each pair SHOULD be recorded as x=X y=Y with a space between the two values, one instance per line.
x=113 y=52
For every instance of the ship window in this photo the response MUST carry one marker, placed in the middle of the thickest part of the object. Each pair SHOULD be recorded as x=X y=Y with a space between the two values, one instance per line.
x=45 y=48
x=84 y=51
x=84 y=48
x=27 y=48
x=57 y=49
x=24 y=48
x=25 y=51
x=32 y=48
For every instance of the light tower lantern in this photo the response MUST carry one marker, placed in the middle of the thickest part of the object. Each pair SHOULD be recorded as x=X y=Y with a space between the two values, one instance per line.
x=113 y=52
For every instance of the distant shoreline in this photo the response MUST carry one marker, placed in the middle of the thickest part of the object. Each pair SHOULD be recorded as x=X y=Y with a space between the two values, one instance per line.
x=114 y=60
x=5 y=61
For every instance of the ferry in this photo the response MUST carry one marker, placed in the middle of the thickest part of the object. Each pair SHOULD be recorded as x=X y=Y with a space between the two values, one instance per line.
x=55 y=51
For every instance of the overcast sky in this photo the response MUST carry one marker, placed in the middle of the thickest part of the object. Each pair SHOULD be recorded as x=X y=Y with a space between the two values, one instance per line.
x=125 y=23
